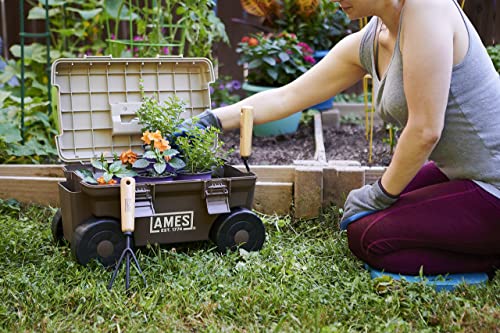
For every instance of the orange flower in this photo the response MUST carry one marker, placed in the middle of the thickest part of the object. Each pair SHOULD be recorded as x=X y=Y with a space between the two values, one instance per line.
x=167 y=158
x=128 y=157
x=162 y=145
x=101 y=181
x=156 y=136
x=253 y=41
x=146 y=137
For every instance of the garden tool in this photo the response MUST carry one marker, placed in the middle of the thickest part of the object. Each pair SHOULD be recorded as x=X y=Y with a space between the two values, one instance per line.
x=246 y=128
x=127 y=201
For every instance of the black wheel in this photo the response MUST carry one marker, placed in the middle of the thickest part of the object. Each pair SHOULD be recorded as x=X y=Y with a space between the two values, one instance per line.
x=98 y=238
x=57 y=227
x=240 y=227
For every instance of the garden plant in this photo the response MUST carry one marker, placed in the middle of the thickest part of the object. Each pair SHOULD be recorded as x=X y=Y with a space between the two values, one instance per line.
x=274 y=60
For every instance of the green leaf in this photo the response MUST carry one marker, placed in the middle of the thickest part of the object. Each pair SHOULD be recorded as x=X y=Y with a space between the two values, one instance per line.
x=107 y=176
x=270 y=60
x=272 y=73
x=112 y=8
x=8 y=73
x=115 y=166
x=4 y=95
x=84 y=173
x=149 y=154
x=177 y=163
x=126 y=173
x=140 y=163
x=170 y=152
x=254 y=63
x=97 y=164
x=86 y=14
x=89 y=180
x=38 y=13
x=284 y=56
x=160 y=167
x=9 y=133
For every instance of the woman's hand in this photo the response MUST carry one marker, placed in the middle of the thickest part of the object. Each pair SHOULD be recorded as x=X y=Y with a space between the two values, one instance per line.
x=365 y=201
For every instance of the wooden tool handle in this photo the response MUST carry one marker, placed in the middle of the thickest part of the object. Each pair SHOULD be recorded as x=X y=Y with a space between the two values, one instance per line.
x=127 y=200
x=246 y=128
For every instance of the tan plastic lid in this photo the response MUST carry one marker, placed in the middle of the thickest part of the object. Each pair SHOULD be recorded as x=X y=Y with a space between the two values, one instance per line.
x=98 y=96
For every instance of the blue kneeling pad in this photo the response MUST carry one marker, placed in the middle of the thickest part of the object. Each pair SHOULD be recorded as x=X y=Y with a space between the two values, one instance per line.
x=439 y=282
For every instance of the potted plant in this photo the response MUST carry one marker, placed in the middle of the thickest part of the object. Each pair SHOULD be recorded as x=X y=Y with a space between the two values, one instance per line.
x=202 y=152
x=108 y=173
x=158 y=162
x=319 y=23
x=273 y=60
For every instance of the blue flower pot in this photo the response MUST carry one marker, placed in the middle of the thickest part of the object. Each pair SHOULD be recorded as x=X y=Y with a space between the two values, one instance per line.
x=286 y=125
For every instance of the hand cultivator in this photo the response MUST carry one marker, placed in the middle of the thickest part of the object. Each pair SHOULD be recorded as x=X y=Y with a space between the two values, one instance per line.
x=127 y=200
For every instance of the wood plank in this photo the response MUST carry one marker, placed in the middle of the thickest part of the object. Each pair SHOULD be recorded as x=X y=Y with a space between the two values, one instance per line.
x=273 y=198
x=320 y=153
x=32 y=170
x=40 y=190
x=372 y=174
x=271 y=173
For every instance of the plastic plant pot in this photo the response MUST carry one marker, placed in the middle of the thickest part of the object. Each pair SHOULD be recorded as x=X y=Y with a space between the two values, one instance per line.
x=286 y=125
x=327 y=104
x=194 y=176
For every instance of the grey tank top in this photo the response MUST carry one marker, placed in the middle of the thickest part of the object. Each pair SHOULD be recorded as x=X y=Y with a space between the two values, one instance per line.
x=469 y=147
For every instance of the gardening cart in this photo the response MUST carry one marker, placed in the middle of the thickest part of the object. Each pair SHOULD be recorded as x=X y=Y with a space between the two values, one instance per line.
x=96 y=102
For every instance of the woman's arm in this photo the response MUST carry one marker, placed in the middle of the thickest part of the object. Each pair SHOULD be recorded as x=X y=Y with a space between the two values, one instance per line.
x=427 y=49
x=339 y=70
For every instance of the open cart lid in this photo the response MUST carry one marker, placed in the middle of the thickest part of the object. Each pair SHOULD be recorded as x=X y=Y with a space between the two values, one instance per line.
x=97 y=98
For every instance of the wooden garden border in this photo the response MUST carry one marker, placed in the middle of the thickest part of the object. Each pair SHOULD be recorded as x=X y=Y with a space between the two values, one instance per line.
x=301 y=189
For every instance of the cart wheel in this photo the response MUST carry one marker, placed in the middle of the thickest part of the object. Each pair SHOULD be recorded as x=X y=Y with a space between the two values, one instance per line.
x=57 y=228
x=98 y=238
x=241 y=227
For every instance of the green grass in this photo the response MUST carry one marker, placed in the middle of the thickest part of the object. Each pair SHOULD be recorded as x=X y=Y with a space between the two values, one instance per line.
x=304 y=280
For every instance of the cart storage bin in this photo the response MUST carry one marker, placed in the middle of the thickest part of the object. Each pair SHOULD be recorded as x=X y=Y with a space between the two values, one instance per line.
x=96 y=103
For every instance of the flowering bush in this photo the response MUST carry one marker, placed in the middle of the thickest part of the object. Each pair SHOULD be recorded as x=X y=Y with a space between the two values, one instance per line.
x=274 y=59
x=222 y=92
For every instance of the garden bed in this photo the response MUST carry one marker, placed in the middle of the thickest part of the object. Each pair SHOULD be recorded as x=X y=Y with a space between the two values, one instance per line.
x=346 y=143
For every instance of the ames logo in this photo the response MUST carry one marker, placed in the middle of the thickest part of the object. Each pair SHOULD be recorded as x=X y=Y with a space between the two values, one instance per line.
x=169 y=222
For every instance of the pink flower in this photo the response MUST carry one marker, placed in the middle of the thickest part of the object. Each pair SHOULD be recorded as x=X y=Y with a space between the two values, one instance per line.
x=306 y=48
x=309 y=59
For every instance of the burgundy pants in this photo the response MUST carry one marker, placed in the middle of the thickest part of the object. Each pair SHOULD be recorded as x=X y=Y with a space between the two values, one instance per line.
x=441 y=225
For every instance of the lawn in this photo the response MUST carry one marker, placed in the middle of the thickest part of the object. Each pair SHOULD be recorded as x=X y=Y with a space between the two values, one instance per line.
x=304 y=280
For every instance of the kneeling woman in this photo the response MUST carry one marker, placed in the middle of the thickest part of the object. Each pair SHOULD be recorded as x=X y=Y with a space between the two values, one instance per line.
x=432 y=76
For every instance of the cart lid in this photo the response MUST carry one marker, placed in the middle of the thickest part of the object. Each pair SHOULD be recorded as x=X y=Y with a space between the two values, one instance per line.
x=97 y=98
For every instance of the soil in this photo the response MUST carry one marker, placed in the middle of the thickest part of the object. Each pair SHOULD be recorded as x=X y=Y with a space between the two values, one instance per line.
x=346 y=143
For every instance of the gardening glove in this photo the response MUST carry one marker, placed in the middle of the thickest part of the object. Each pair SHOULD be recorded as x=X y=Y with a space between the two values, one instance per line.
x=365 y=201
x=205 y=119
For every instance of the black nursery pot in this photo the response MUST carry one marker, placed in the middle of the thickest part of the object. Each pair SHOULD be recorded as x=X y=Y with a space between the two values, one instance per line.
x=194 y=176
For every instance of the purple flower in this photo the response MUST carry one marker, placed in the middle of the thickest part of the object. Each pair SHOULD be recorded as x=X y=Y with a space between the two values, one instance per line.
x=236 y=84
x=214 y=105
x=221 y=86
x=165 y=50
x=212 y=90
x=222 y=104
x=138 y=38
x=113 y=36
x=229 y=87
